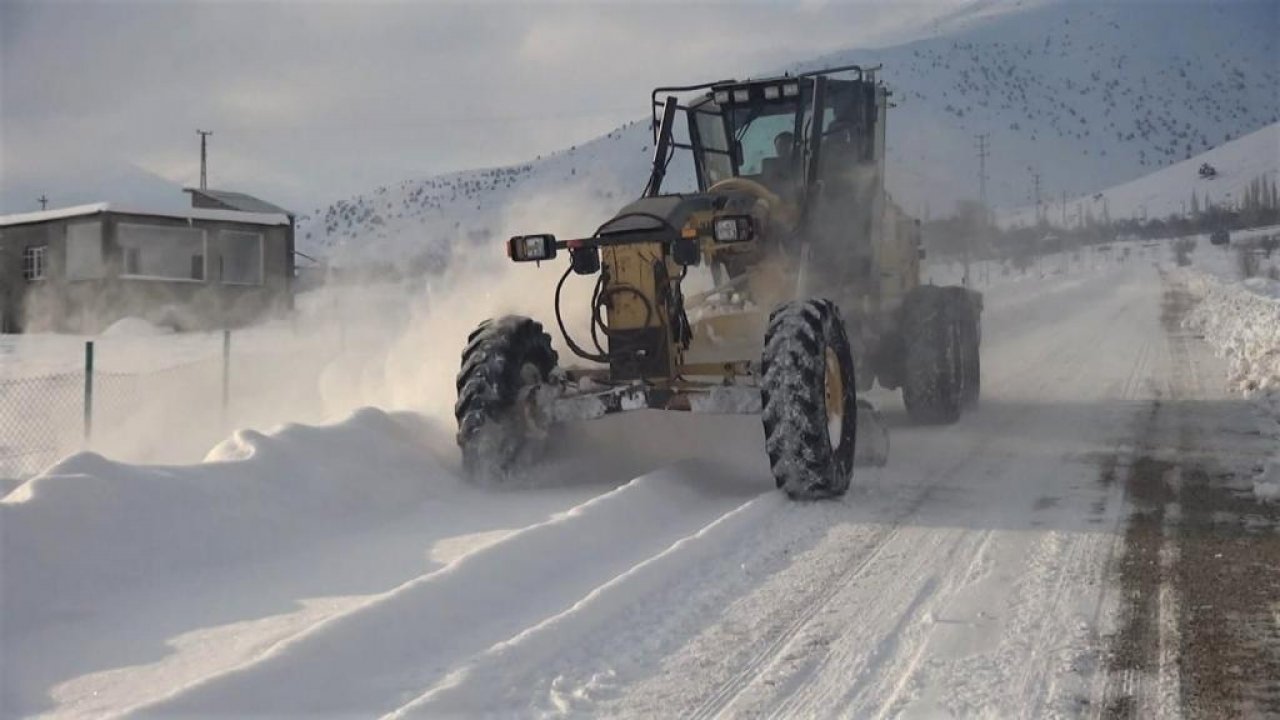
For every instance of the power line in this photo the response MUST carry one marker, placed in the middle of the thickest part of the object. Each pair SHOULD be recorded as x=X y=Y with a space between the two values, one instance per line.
x=204 y=177
x=621 y=116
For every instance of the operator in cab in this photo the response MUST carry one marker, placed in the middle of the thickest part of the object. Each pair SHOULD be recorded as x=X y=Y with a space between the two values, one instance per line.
x=779 y=173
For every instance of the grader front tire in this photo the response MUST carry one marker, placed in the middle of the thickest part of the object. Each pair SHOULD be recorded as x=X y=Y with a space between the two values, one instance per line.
x=809 y=400
x=504 y=364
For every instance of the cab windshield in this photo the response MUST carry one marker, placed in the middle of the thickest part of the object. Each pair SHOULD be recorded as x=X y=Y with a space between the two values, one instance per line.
x=758 y=130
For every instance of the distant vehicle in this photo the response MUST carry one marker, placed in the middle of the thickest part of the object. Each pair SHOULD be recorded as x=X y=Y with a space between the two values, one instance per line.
x=1220 y=237
x=1208 y=171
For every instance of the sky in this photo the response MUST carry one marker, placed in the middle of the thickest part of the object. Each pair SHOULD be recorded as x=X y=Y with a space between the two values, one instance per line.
x=310 y=102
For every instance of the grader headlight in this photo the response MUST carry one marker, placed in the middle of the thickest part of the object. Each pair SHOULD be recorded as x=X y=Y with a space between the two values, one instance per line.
x=531 y=248
x=733 y=229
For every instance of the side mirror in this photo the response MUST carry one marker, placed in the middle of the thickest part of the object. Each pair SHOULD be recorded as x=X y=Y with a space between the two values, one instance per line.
x=532 y=248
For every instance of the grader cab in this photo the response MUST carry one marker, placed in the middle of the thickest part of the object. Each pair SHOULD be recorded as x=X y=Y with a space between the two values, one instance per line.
x=814 y=273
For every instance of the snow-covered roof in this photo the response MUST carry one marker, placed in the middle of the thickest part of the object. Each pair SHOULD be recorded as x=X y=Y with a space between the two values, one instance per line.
x=243 y=202
x=185 y=214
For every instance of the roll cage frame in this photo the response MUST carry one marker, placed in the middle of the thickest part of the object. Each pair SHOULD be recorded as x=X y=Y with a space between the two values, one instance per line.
x=809 y=102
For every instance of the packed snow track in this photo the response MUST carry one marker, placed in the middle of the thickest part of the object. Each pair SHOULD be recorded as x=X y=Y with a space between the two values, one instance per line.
x=979 y=573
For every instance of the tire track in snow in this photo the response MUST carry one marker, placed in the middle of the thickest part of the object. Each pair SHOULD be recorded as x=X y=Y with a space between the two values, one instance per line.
x=521 y=664
x=477 y=689
x=730 y=690
x=380 y=656
x=909 y=637
x=1037 y=684
x=805 y=610
x=811 y=605
x=815 y=697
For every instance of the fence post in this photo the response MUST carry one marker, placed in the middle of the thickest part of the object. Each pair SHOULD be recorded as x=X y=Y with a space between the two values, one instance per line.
x=226 y=375
x=88 y=391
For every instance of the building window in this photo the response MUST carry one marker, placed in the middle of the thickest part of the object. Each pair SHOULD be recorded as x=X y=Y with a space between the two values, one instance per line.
x=241 y=258
x=162 y=252
x=35 y=260
x=84 y=251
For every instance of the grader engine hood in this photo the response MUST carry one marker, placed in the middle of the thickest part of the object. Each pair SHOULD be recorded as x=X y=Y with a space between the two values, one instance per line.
x=671 y=213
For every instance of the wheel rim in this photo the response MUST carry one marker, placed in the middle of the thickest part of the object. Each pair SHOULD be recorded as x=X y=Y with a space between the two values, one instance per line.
x=834 y=391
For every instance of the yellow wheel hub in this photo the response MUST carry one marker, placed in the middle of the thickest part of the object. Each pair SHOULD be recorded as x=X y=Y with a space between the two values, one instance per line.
x=833 y=387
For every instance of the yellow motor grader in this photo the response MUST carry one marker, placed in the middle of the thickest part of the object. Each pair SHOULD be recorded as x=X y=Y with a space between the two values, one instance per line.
x=815 y=292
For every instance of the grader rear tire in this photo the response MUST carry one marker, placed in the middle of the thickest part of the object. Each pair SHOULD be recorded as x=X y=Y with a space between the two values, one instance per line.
x=500 y=426
x=809 y=400
x=933 y=378
x=971 y=356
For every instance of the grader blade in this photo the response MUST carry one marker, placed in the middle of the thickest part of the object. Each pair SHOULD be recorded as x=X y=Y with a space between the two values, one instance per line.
x=871 y=449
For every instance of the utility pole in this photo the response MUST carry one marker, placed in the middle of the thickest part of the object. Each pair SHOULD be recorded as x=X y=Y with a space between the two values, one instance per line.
x=982 y=197
x=204 y=176
x=1035 y=177
x=44 y=202
x=983 y=152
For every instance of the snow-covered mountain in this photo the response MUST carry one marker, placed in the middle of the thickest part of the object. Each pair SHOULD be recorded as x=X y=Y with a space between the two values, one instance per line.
x=1086 y=95
x=421 y=220
x=1176 y=189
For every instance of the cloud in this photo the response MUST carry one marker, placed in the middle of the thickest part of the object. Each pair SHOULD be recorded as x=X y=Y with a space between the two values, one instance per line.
x=313 y=101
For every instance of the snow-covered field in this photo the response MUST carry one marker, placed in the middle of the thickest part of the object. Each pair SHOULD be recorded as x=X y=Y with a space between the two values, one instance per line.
x=648 y=568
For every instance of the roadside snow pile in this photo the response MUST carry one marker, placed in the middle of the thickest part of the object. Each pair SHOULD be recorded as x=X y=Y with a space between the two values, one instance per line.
x=135 y=327
x=90 y=526
x=1265 y=287
x=1267 y=486
x=1242 y=322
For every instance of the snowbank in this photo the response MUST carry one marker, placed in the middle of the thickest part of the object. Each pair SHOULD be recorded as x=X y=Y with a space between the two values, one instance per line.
x=1265 y=287
x=134 y=327
x=1267 y=486
x=90 y=526
x=1242 y=322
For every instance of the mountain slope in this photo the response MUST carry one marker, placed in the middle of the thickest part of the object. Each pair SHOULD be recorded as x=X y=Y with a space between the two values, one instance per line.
x=1084 y=95
x=1169 y=191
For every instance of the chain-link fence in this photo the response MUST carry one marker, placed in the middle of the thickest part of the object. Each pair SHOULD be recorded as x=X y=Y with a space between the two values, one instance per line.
x=168 y=414
x=41 y=418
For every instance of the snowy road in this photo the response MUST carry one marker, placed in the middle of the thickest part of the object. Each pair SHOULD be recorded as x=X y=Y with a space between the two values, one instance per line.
x=989 y=569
